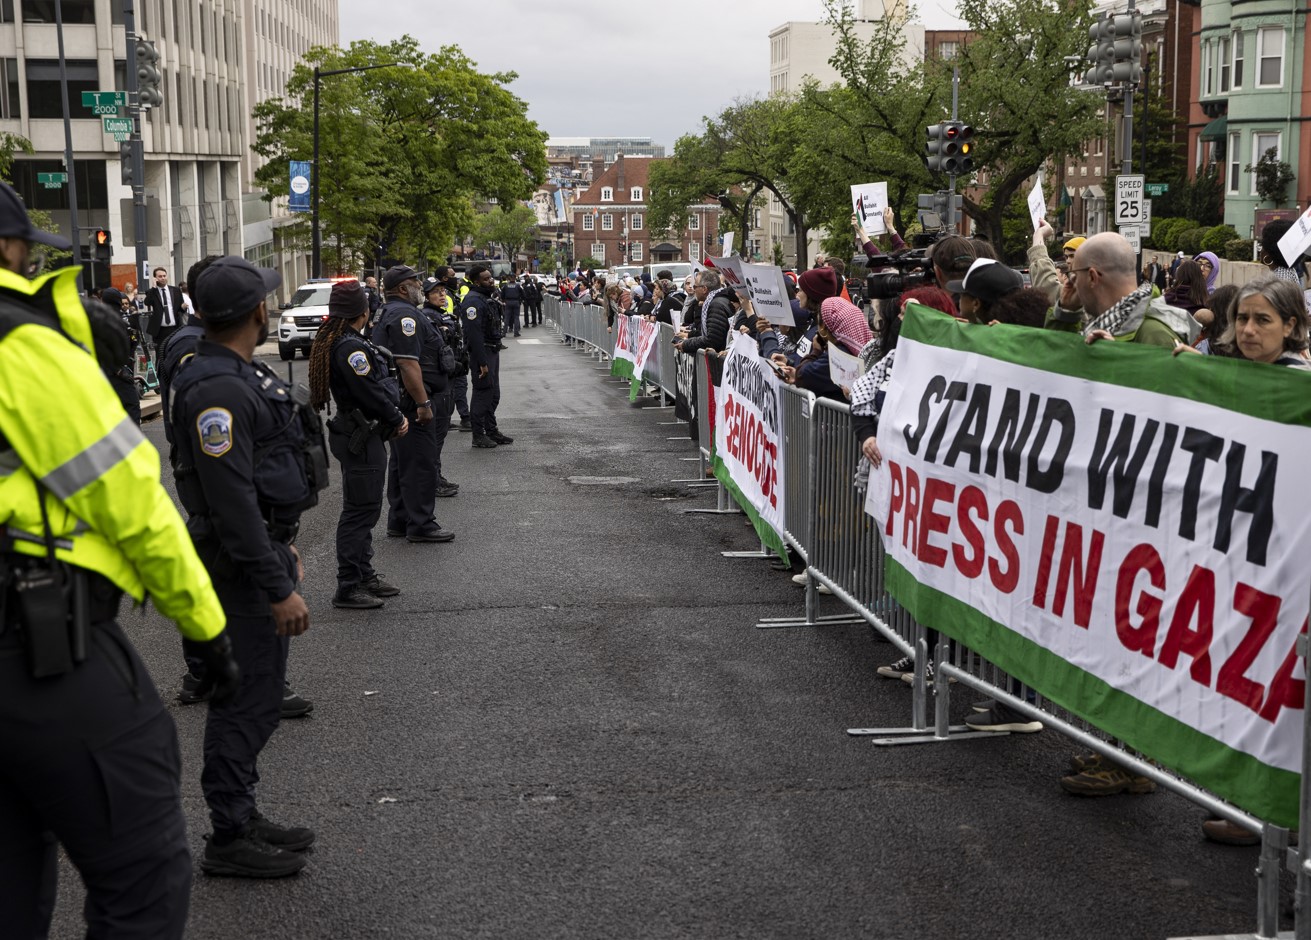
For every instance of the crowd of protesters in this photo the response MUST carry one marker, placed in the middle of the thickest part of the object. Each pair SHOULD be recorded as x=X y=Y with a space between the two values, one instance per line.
x=1096 y=290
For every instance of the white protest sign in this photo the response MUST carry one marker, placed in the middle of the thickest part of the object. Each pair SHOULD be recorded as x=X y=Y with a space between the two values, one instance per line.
x=868 y=200
x=1297 y=239
x=1037 y=204
x=728 y=243
x=730 y=271
x=769 y=293
x=749 y=432
x=843 y=368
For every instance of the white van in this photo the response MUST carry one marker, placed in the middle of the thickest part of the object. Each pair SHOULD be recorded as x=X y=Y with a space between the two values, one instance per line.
x=679 y=270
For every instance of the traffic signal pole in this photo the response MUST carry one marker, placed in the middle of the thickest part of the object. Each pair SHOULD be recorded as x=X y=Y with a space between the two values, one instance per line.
x=136 y=147
x=951 y=176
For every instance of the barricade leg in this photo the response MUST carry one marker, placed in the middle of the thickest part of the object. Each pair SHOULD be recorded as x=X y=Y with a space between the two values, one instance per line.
x=723 y=505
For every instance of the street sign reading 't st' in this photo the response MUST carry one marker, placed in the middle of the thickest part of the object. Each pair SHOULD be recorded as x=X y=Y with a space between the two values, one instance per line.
x=52 y=180
x=104 y=102
x=1129 y=199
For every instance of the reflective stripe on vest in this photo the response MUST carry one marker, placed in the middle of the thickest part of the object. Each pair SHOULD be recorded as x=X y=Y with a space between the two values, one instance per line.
x=94 y=462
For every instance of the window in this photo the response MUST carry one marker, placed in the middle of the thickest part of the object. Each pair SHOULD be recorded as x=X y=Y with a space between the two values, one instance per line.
x=1238 y=58
x=7 y=11
x=693 y=223
x=1225 y=64
x=635 y=251
x=637 y=221
x=635 y=194
x=1208 y=69
x=43 y=95
x=1269 y=56
x=589 y=222
x=1260 y=144
x=607 y=222
x=1235 y=161
x=9 y=105
x=43 y=11
x=598 y=251
x=947 y=51
x=695 y=253
x=607 y=194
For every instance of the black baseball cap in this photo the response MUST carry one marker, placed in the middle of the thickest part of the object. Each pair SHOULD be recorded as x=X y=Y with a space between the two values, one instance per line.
x=232 y=287
x=14 y=222
x=431 y=284
x=988 y=280
x=396 y=276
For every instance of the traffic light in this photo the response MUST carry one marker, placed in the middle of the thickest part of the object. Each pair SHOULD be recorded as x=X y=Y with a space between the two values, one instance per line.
x=936 y=144
x=103 y=245
x=1116 y=51
x=960 y=148
x=148 y=75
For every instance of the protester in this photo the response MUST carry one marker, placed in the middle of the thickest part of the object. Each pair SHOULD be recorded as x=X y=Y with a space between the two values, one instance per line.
x=1042 y=270
x=1268 y=325
x=1210 y=265
x=1215 y=318
x=1189 y=291
x=841 y=324
x=985 y=282
x=716 y=311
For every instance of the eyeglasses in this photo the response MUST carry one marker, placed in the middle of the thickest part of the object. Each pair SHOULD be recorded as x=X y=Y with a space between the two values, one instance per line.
x=1205 y=262
x=1073 y=271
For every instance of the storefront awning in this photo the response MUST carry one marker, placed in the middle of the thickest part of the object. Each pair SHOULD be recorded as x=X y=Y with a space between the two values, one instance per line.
x=1216 y=130
x=1093 y=192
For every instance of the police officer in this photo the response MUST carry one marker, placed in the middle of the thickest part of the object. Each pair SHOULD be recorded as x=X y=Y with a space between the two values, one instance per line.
x=119 y=373
x=177 y=352
x=424 y=362
x=249 y=459
x=512 y=296
x=481 y=320
x=440 y=309
x=460 y=381
x=345 y=364
x=90 y=753
x=532 y=301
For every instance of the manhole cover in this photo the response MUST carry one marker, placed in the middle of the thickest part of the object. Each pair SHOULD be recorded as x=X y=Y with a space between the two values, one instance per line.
x=602 y=481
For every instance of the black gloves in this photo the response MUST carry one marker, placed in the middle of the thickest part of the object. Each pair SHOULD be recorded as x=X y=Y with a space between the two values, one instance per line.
x=222 y=677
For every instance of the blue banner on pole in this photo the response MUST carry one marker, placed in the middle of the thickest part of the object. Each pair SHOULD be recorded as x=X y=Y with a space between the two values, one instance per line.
x=300 y=186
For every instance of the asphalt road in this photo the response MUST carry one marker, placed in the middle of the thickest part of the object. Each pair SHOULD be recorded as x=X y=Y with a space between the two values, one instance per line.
x=567 y=727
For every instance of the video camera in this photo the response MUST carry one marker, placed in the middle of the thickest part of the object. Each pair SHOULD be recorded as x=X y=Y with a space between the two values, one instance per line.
x=913 y=269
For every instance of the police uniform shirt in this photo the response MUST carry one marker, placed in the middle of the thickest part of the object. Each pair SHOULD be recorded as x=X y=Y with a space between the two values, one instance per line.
x=180 y=348
x=358 y=379
x=444 y=319
x=480 y=335
x=228 y=412
x=407 y=333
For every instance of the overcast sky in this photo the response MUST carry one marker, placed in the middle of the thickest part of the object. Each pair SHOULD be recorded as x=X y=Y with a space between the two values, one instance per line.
x=609 y=68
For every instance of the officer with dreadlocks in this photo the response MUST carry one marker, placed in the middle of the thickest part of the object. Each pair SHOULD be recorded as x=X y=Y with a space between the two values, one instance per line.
x=348 y=367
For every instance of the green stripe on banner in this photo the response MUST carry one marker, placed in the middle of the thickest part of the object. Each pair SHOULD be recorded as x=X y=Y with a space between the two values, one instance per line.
x=768 y=537
x=621 y=368
x=1249 y=388
x=1264 y=791
x=634 y=387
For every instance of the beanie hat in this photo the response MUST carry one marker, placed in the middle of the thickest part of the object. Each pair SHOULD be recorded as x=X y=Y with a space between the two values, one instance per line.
x=347 y=300
x=819 y=284
x=1074 y=242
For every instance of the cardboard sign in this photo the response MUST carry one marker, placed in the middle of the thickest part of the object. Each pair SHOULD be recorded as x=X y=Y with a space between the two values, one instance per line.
x=1037 y=204
x=843 y=367
x=1297 y=239
x=769 y=293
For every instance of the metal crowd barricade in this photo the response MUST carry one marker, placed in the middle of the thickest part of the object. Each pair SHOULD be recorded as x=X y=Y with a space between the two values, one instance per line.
x=826 y=524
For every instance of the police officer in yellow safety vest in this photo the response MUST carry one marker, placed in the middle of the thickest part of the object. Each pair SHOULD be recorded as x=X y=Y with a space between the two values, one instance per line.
x=90 y=756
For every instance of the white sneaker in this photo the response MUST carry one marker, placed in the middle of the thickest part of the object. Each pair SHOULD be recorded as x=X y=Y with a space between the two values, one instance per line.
x=800 y=581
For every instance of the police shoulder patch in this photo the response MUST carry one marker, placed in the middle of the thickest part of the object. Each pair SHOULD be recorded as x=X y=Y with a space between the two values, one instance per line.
x=359 y=362
x=215 y=428
x=471 y=313
x=408 y=326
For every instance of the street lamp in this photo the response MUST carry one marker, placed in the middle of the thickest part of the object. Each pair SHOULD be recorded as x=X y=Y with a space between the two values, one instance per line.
x=316 y=238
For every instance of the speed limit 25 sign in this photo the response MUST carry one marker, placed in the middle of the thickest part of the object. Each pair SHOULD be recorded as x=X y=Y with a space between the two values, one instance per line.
x=1129 y=200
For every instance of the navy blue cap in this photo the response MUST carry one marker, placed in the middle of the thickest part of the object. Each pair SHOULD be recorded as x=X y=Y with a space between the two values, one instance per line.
x=231 y=287
x=395 y=276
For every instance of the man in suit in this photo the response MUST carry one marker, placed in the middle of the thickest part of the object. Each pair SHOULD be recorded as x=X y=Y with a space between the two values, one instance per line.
x=168 y=309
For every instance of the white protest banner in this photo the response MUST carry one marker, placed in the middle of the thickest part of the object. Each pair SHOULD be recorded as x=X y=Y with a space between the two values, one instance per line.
x=1297 y=239
x=769 y=293
x=749 y=439
x=868 y=200
x=843 y=368
x=647 y=333
x=1037 y=204
x=1114 y=528
x=728 y=243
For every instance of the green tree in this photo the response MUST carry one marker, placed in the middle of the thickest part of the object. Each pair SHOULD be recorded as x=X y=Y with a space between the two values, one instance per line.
x=512 y=228
x=1272 y=176
x=403 y=151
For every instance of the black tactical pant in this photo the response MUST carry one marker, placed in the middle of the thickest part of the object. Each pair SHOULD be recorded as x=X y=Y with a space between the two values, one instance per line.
x=237 y=731
x=414 y=470
x=363 y=479
x=486 y=396
x=460 y=395
x=91 y=762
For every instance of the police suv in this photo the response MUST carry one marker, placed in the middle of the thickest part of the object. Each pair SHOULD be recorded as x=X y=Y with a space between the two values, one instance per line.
x=302 y=317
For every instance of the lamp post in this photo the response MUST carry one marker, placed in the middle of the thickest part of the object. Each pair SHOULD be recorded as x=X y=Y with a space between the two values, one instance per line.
x=316 y=238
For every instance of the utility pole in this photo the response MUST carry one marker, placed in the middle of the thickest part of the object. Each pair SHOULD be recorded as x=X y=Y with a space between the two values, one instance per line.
x=139 y=58
x=951 y=176
x=68 y=139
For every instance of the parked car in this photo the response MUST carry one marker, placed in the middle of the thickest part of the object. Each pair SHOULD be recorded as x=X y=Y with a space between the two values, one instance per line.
x=303 y=315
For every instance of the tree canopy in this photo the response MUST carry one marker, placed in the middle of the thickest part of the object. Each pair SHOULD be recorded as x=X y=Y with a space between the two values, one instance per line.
x=403 y=151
